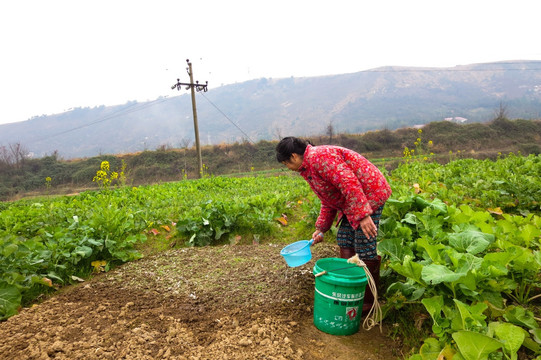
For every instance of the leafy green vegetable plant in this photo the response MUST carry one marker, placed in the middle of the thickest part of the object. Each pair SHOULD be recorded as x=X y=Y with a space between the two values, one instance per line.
x=459 y=262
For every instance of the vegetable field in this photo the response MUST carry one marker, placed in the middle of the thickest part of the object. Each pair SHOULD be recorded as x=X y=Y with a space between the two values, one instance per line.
x=460 y=243
x=464 y=241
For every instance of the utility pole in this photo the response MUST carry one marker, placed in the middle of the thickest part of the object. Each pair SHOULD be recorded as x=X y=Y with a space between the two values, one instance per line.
x=194 y=87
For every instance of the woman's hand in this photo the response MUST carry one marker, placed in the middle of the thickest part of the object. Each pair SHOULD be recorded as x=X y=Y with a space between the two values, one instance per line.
x=317 y=236
x=369 y=228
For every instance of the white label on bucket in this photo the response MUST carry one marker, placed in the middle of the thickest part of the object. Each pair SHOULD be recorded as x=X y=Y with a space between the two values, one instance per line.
x=355 y=296
x=342 y=297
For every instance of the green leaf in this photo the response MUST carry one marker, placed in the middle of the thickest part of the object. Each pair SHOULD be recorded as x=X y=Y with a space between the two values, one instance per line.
x=435 y=274
x=420 y=202
x=219 y=232
x=10 y=300
x=409 y=269
x=440 y=206
x=506 y=226
x=434 y=306
x=430 y=349
x=501 y=257
x=109 y=244
x=520 y=316
x=411 y=292
x=415 y=357
x=493 y=269
x=537 y=257
x=468 y=215
x=394 y=249
x=536 y=335
x=410 y=219
x=475 y=346
x=528 y=233
x=53 y=275
x=83 y=251
x=466 y=262
x=492 y=297
x=529 y=343
x=471 y=241
x=431 y=249
x=448 y=353
x=471 y=315
x=10 y=249
x=525 y=260
x=98 y=243
x=511 y=336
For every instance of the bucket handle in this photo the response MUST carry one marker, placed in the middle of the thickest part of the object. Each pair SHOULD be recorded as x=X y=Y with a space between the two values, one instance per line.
x=342 y=268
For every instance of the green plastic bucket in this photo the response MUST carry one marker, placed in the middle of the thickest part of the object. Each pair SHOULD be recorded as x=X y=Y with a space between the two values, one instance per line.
x=339 y=294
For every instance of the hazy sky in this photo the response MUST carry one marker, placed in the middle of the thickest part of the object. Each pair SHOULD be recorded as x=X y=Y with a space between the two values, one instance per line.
x=59 y=54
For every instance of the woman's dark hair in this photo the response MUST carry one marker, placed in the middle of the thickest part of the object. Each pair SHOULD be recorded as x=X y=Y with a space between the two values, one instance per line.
x=288 y=146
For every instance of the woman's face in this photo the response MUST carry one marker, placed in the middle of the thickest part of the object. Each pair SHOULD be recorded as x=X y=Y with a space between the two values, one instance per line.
x=294 y=163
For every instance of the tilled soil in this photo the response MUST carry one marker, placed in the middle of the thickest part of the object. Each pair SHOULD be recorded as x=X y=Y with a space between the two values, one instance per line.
x=225 y=302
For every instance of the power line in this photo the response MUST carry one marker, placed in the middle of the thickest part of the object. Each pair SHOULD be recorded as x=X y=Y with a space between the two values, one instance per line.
x=252 y=155
x=115 y=114
x=231 y=121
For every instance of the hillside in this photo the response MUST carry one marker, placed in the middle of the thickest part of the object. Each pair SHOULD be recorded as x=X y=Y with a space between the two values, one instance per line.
x=266 y=109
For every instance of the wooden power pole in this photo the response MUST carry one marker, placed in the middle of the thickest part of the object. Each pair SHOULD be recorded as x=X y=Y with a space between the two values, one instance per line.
x=193 y=87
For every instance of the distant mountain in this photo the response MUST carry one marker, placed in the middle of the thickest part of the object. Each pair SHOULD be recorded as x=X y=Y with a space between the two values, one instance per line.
x=387 y=97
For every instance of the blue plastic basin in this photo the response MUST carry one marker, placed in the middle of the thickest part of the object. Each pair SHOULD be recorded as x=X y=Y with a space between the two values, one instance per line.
x=297 y=253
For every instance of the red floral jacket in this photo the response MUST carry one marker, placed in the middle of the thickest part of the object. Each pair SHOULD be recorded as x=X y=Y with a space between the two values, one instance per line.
x=345 y=182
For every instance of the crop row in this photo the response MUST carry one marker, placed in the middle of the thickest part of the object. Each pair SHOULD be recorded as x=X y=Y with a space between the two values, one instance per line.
x=57 y=240
x=463 y=241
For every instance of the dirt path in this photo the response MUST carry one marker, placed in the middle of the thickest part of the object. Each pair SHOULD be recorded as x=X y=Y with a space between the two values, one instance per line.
x=227 y=302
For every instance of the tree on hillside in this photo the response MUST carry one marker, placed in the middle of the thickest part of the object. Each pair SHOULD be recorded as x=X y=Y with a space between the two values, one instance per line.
x=185 y=143
x=329 y=131
x=13 y=155
x=6 y=159
x=501 y=113
x=20 y=153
